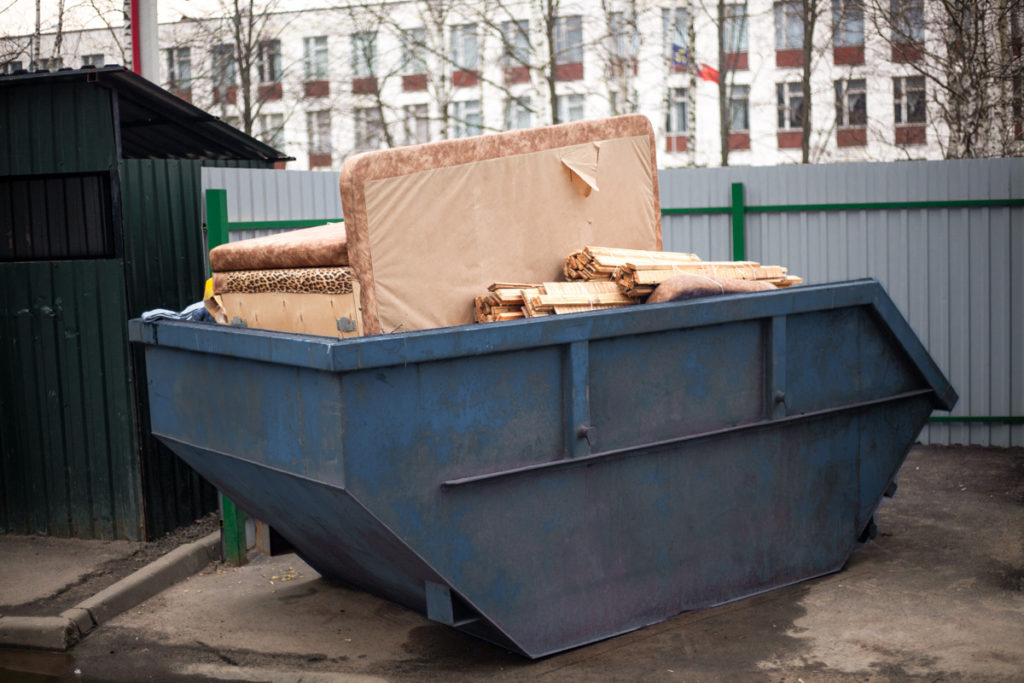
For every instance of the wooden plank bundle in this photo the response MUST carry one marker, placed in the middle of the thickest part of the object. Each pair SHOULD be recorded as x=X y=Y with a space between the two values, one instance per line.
x=599 y=263
x=639 y=281
x=606 y=277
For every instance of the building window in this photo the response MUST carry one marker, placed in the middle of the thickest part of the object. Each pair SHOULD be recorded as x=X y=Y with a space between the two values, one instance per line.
x=465 y=53
x=847 y=23
x=92 y=60
x=314 y=53
x=364 y=54
x=735 y=28
x=466 y=119
x=676 y=25
x=179 y=68
x=789 y=26
x=851 y=103
x=678 y=115
x=515 y=38
x=369 y=129
x=569 y=40
x=518 y=113
x=268 y=61
x=415 y=124
x=49 y=63
x=907 y=21
x=318 y=130
x=413 y=41
x=223 y=66
x=569 y=108
x=739 y=107
x=10 y=67
x=790 y=105
x=625 y=39
x=272 y=130
x=908 y=99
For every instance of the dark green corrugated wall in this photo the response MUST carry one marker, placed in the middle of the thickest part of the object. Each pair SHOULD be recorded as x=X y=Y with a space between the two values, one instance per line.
x=69 y=462
x=164 y=268
x=76 y=457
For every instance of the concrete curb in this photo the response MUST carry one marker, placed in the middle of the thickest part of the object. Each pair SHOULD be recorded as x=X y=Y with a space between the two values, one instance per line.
x=62 y=632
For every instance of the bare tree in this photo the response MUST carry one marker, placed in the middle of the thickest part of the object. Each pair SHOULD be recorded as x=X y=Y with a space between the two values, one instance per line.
x=966 y=55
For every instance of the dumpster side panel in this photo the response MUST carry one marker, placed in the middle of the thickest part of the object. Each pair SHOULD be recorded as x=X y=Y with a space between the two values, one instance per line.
x=284 y=417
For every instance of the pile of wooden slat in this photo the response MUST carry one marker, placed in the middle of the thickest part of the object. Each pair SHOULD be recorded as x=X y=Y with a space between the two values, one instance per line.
x=604 y=277
x=533 y=301
x=504 y=301
x=599 y=263
x=640 y=280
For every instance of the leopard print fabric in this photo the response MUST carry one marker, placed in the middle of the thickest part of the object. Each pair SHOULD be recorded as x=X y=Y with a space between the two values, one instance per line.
x=333 y=280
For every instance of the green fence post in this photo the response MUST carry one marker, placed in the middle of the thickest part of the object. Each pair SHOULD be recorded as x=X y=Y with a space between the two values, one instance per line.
x=216 y=218
x=739 y=233
x=232 y=530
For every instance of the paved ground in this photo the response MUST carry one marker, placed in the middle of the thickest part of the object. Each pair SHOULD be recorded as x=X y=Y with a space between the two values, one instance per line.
x=939 y=595
x=35 y=567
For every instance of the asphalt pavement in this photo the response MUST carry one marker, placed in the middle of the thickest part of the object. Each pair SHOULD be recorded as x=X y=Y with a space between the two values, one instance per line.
x=938 y=595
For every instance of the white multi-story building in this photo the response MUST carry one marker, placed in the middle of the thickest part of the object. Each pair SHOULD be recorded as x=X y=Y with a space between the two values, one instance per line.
x=325 y=83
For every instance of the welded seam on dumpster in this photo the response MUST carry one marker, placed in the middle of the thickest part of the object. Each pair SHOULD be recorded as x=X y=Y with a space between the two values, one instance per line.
x=616 y=452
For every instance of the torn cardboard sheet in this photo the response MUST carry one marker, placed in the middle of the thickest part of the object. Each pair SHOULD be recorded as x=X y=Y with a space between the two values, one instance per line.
x=328 y=315
x=427 y=224
x=581 y=163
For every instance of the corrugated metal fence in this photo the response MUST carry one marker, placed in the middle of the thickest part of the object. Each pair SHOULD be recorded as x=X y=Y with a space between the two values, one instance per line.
x=281 y=197
x=945 y=238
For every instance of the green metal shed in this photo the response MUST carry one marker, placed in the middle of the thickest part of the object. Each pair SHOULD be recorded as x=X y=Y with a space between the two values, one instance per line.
x=100 y=220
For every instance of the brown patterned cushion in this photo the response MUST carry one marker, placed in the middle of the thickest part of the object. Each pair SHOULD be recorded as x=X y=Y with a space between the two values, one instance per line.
x=323 y=245
x=331 y=280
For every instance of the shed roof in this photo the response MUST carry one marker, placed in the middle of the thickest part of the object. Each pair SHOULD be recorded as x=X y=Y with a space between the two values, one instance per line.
x=154 y=123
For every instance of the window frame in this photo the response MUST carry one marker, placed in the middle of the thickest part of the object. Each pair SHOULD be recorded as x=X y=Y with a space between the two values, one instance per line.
x=902 y=100
x=315 y=58
x=736 y=12
x=268 y=61
x=224 y=73
x=465 y=47
x=462 y=118
x=739 y=95
x=176 y=57
x=845 y=13
x=677 y=112
x=515 y=109
x=516 y=47
x=789 y=25
x=318 y=133
x=272 y=133
x=846 y=90
x=568 y=36
x=413 y=61
x=789 y=105
x=364 y=54
x=368 y=129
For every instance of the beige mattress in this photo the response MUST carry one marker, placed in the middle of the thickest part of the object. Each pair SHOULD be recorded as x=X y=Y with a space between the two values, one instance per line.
x=429 y=226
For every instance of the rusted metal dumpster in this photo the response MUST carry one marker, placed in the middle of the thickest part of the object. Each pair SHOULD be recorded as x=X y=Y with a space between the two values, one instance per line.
x=547 y=483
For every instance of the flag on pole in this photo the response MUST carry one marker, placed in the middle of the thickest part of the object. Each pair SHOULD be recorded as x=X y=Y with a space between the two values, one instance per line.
x=706 y=73
x=680 y=56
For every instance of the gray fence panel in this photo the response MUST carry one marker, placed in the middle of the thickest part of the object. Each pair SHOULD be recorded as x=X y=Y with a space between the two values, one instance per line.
x=272 y=195
x=957 y=274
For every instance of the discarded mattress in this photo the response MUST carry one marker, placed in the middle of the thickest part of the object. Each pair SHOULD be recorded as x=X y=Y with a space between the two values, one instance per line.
x=323 y=245
x=428 y=225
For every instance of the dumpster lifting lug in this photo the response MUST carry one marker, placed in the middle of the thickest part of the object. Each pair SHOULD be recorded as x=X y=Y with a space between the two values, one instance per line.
x=587 y=432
